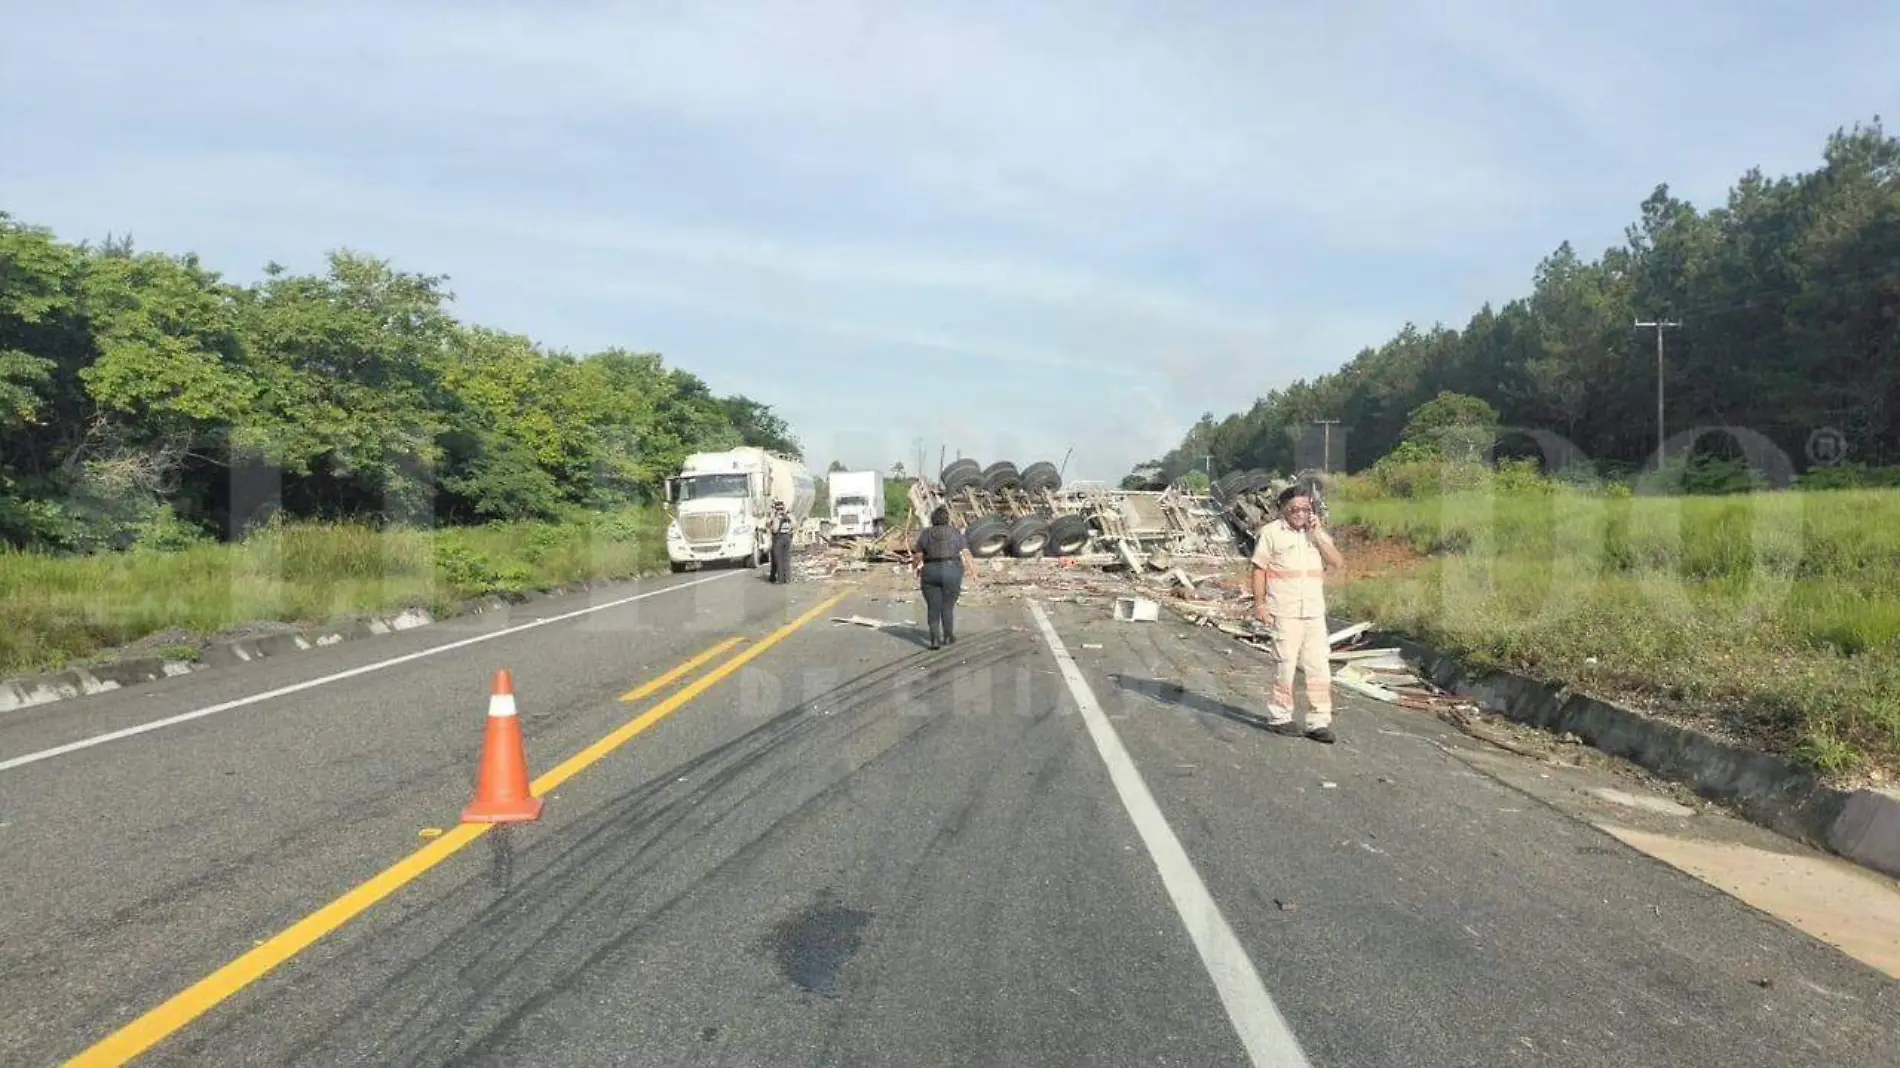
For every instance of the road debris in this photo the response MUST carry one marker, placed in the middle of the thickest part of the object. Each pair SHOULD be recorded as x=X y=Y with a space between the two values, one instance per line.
x=1218 y=599
x=1029 y=513
x=1136 y=610
x=875 y=624
x=1132 y=552
x=1347 y=634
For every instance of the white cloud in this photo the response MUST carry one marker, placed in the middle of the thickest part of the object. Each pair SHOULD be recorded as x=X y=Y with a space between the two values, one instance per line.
x=1062 y=119
x=1066 y=121
x=1164 y=210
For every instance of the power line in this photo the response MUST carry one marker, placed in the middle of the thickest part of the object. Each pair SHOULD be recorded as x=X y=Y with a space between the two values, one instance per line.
x=1326 y=446
x=1659 y=325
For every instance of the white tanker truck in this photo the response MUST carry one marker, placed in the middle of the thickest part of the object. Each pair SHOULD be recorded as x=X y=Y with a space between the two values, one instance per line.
x=720 y=505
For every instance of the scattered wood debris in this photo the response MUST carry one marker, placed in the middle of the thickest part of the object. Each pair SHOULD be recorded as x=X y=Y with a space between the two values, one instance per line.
x=875 y=624
x=1133 y=580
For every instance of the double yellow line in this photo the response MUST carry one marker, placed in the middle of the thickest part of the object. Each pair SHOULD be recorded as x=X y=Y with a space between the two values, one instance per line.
x=153 y=1027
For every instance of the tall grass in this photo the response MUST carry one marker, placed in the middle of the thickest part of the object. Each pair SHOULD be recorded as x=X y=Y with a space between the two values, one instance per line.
x=1774 y=616
x=58 y=610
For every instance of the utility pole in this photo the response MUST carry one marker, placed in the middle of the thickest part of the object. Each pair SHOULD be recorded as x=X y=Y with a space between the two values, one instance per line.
x=1326 y=447
x=1210 y=467
x=1660 y=325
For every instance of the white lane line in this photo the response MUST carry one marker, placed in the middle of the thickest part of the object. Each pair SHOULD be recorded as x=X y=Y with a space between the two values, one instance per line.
x=183 y=717
x=1263 y=1031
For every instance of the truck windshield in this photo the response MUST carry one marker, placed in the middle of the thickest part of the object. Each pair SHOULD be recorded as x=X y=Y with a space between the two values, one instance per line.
x=846 y=502
x=701 y=487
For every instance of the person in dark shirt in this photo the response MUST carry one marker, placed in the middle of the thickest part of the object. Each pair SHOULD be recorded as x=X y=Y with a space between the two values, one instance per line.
x=941 y=552
x=781 y=543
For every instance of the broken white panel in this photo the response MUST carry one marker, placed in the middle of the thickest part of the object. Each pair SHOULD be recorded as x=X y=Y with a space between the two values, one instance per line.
x=1348 y=633
x=1376 y=692
x=1136 y=610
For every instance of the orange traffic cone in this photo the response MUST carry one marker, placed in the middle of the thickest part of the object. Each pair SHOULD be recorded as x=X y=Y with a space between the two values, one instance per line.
x=501 y=787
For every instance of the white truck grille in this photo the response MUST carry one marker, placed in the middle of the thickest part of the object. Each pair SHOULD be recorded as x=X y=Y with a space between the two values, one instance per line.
x=704 y=527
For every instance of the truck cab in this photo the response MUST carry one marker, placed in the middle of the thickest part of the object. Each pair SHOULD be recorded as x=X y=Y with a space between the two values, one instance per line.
x=720 y=505
x=857 y=504
x=713 y=517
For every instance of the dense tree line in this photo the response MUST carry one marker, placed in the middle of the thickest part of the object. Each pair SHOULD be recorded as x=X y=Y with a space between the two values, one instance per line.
x=143 y=396
x=1789 y=302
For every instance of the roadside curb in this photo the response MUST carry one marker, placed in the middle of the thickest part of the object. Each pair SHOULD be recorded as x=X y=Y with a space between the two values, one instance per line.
x=84 y=680
x=1860 y=825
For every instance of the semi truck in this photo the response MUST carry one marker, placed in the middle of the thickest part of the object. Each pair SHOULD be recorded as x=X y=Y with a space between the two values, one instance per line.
x=719 y=506
x=857 y=504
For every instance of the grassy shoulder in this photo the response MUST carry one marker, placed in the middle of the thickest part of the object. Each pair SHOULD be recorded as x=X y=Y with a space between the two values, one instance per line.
x=64 y=610
x=1770 y=618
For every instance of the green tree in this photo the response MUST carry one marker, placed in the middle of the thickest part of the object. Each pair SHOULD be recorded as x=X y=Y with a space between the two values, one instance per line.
x=760 y=427
x=134 y=385
x=35 y=282
x=1454 y=425
x=1789 y=296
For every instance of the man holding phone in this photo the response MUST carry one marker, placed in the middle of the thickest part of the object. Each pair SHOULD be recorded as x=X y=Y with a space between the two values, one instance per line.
x=1289 y=595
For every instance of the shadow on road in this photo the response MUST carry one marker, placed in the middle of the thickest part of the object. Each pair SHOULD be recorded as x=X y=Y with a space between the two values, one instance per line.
x=918 y=634
x=1173 y=693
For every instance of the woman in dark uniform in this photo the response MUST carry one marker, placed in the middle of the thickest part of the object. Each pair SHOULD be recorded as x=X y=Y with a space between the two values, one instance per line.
x=781 y=543
x=941 y=552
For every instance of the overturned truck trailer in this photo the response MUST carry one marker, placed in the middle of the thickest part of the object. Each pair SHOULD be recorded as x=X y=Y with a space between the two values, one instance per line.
x=1029 y=512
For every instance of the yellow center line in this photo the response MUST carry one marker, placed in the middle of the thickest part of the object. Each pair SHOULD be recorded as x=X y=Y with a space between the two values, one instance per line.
x=159 y=1023
x=653 y=686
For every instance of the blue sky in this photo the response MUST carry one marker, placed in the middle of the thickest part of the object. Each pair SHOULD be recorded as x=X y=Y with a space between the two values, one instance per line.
x=1005 y=229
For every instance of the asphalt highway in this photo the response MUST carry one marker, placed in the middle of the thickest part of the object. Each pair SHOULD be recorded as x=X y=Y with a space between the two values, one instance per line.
x=1059 y=842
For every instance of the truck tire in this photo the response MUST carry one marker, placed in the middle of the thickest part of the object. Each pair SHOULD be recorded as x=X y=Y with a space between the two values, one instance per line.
x=1227 y=488
x=999 y=476
x=1253 y=513
x=1028 y=536
x=1068 y=535
x=986 y=536
x=955 y=466
x=957 y=479
x=1041 y=475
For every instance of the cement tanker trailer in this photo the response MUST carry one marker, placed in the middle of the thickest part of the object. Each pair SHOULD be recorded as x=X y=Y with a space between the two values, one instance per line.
x=720 y=505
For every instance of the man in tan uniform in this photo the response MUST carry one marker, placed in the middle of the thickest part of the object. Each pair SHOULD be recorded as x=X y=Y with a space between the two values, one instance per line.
x=1289 y=595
